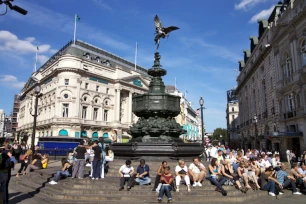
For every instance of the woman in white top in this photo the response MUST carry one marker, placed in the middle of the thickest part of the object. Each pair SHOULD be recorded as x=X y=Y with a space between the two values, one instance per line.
x=181 y=172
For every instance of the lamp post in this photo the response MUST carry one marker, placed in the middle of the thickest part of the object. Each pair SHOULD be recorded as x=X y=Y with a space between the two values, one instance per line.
x=37 y=95
x=256 y=133
x=202 y=126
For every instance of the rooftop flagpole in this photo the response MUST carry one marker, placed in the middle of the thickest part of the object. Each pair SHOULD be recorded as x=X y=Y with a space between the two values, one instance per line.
x=35 y=63
x=76 y=18
x=136 y=55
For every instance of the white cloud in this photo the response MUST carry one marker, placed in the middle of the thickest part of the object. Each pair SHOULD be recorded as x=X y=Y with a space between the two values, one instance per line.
x=216 y=50
x=30 y=39
x=102 y=4
x=264 y=14
x=11 y=81
x=42 y=58
x=44 y=17
x=247 y=4
x=10 y=42
x=52 y=51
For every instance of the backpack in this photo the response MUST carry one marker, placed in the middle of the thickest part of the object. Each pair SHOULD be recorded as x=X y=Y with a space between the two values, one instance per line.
x=4 y=161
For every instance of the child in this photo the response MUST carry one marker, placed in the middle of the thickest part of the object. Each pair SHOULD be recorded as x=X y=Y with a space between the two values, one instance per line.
x=166 y=179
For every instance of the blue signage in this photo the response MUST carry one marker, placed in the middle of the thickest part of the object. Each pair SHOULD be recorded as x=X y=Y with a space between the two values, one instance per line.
x=137 y=82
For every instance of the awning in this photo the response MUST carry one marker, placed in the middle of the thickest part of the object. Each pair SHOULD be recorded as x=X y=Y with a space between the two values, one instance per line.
x=287 y=134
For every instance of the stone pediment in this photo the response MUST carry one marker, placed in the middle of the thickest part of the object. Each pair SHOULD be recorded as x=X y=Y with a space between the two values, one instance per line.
x=136 y=81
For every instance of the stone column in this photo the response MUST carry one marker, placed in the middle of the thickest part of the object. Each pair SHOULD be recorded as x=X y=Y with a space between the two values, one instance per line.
x=130 y=107
x=117 y=105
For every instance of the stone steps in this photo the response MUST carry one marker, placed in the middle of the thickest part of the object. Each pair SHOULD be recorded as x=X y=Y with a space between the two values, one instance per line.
x=106 y=190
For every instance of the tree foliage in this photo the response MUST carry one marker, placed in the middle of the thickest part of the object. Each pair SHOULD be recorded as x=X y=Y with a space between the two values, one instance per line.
x=217 y=134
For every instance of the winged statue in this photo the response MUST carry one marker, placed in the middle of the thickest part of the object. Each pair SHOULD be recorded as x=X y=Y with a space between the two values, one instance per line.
x=160 y=31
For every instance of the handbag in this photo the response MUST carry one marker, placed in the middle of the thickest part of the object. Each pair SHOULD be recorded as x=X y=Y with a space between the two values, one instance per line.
x=182 y=171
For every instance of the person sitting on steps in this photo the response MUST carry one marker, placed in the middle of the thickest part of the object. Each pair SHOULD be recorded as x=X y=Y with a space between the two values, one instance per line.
x=160 y=172
x=197 y=172
x=181 y=172
x=126 y=171
x=143 y=176
x=65 y=172
x=166 y=179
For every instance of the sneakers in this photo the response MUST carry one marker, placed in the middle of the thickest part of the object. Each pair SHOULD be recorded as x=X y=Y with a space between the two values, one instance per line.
x=93 y=178
x=195 y=184
x=128 y=188
x=120 y=189
x=97 y=178
x=280 y=193
x=271 y=194
x=297 y=193
x=177 y=189
x=52 y=182
x=89 y=165
x=80 y=178
x=199 y=184
x=159 y=200
x=169 y=201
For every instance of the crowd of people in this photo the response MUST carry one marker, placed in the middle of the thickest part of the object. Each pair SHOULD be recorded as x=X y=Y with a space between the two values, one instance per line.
x=95 y=155
x=253 y=169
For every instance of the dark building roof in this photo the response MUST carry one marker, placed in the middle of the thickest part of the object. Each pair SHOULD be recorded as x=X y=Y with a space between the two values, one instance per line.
x=95 y=55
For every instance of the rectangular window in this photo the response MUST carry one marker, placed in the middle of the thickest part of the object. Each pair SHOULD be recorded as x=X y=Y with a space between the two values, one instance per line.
x=233 y=109
x=65 y=110
x=95 y=113
x=298 y=102
x=233 y=117
x=66 y=82
x=86 y=85
x=97 y=88
x=105 y=115
x=304 y=58
x=290 y=103
x=84 y=112
x=107 y=90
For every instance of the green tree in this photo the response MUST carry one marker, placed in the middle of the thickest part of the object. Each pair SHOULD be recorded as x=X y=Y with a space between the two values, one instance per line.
x=218 y=132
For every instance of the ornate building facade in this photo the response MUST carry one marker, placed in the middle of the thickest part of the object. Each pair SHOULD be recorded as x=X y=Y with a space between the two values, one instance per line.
x=272 y=82
x=232 y=119
x=188 y=118
x=85 y=92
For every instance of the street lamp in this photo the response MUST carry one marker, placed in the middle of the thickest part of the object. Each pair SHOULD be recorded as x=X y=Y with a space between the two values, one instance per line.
x=201 y=104
x=255 y=121
x=37 y=95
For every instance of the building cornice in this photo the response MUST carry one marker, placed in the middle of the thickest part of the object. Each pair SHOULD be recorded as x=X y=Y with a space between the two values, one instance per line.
x=259 y=60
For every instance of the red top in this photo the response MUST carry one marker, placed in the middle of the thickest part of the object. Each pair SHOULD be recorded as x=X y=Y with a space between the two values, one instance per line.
x=167 y=177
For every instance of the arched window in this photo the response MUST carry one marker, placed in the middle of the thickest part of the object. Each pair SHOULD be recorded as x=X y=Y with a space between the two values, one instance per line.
x=95 y=135
x=105 y=135
x=303 y=51
x=63 y=132
x=83 y=134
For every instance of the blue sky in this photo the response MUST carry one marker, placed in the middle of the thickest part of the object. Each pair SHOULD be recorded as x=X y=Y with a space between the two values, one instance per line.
x=202 y=54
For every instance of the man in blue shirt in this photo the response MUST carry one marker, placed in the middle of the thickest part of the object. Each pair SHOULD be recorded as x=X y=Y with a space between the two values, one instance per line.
x=143 y=176
x=290 y=181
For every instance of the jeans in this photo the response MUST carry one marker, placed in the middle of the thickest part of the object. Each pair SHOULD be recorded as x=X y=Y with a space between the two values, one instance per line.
x=61 y=173
x=3 y=182
x=291 y=183
x=143 y=181
x=96 y=165
x=79 y=168
x=165 y=189
x=217 y=183
x=270 y=186
x=235 y=167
